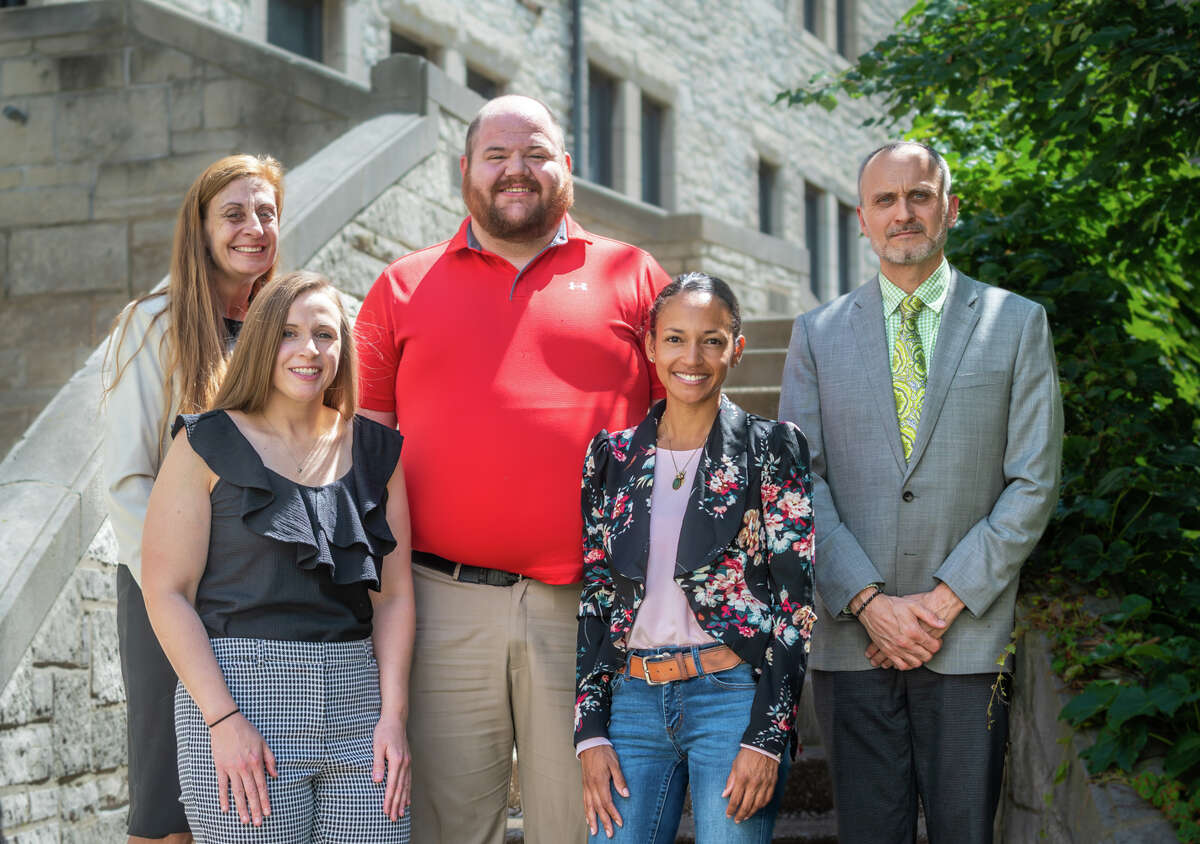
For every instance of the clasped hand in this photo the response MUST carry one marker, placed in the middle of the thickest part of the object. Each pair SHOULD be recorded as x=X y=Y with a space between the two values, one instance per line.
x=906 y=630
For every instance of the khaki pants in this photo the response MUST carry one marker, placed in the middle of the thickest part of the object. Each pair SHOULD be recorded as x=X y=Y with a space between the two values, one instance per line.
x=493 y=667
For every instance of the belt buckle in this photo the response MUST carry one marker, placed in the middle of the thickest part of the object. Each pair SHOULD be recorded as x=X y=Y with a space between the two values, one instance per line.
x=647 y=661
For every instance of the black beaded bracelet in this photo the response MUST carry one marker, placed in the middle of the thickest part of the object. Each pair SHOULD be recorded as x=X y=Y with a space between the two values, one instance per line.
x=223 y=717
x=863 y=605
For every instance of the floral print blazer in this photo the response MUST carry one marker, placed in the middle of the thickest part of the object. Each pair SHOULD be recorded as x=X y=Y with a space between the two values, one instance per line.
x=745 y=561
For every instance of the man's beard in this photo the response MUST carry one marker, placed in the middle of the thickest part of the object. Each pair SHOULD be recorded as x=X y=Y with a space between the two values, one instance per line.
x=538 y=222
x=915 y=254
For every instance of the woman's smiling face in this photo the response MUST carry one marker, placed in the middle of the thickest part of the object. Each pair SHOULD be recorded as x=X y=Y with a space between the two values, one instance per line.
x=310 y=348
x=693 y=347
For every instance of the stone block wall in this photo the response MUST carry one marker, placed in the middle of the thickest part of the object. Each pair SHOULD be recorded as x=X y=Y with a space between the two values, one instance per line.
x=1048 y=795
x=114 y=108
x=421 y=208
x=62 y=717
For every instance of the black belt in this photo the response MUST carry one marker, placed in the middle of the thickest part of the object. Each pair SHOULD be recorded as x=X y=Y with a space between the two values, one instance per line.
x=463 y=573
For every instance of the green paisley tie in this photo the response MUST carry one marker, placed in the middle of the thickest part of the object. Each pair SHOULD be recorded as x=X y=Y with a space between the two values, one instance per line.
x=908 y=372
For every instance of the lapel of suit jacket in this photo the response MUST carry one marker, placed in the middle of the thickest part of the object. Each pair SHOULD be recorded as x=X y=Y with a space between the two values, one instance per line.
x=959 y=317
x=866 y=318
x=717 y=499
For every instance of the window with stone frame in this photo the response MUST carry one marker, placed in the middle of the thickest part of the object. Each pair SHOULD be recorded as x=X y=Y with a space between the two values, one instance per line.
x=844 y=30
x=847 y=227
x=297 y=26
x=401 y=43
x=811 y=20
x=768 y=197
x=602 y=98
x=482 y=84
x=654 y=136
x=814 y=198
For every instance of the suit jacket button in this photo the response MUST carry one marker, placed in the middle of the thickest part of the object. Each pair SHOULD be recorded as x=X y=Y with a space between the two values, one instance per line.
x=908 y=496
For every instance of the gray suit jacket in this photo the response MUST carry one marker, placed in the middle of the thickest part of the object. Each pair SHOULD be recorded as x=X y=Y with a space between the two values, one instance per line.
x=978 y=491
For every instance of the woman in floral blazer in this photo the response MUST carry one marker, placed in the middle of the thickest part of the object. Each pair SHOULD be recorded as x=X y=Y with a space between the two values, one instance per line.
x=744 y=564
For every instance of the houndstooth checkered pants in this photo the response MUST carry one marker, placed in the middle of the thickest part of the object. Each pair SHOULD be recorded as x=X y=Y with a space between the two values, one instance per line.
x=316 y=705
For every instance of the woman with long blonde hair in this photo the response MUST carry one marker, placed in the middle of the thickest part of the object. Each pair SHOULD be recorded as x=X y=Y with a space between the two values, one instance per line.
x=167 y=353
x=278 y=580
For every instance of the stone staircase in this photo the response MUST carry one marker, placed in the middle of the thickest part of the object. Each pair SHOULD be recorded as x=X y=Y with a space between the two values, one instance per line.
x=754 y=384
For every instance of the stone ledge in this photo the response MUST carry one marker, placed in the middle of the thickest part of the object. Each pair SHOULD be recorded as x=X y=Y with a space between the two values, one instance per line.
x=656 y=225
x=60 y=19
x=1038 y=805
x=281 y=70
x=347 y=175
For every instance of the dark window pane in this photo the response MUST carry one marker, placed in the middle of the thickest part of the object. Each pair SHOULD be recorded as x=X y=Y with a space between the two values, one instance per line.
x=482 y=85
x=812 y=238
x=602 y=95
x=766 y=198
x=653 y=119
x=404 y=44
x=10 y=4
x=846 y=221
x=295 y=25
x=844 y=9
x=810 y=15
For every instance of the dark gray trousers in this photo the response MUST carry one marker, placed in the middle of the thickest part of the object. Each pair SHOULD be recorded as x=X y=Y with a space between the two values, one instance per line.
x=891 y=736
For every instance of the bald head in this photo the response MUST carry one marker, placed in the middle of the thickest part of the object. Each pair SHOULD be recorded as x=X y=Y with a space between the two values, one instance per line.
x=908 y=148
x=532 y=109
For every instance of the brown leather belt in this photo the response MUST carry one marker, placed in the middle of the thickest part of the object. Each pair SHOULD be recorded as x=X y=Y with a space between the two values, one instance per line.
x=661 y=669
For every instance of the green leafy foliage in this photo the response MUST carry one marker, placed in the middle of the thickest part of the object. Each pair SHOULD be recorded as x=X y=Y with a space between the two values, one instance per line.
x=1170 y=796
x=1073 y=131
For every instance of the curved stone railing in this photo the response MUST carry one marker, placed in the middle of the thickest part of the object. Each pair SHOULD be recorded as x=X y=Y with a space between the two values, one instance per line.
x=51 y=500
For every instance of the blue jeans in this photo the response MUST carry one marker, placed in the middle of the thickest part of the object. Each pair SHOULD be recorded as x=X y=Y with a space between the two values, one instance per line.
x=667 y=736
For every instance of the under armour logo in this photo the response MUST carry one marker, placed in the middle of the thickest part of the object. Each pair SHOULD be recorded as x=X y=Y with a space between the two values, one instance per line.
x=577 y=285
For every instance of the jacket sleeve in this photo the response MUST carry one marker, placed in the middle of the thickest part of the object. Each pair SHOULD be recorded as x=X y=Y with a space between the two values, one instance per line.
x=597 y=659
x=134 y=413
x=989 y=557
x=787 y=531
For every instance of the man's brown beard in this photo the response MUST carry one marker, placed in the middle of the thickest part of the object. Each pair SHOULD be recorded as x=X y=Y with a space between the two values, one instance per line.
x=538 y=223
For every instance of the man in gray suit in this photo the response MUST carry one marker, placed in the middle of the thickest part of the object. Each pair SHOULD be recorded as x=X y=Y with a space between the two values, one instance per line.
x=934 y=422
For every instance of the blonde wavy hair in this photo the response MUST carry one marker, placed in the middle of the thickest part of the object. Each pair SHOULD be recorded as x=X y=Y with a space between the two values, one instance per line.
x=196 y=340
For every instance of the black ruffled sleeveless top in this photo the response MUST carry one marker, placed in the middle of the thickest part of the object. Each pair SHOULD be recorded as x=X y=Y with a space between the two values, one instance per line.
x=287 y=561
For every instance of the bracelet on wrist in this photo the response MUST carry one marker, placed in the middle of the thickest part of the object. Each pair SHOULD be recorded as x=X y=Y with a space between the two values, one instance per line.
x=223 y=717
x=869 y=599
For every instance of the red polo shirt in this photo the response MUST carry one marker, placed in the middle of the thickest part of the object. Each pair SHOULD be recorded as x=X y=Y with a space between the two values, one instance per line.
x=499 y=380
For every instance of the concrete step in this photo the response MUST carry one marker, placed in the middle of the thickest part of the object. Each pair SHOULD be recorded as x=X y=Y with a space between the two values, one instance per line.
x=761 y=400
x=767 y=332
x=761 y=368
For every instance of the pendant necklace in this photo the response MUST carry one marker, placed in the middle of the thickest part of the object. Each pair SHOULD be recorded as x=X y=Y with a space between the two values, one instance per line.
x=677 y=482
x=308 y=455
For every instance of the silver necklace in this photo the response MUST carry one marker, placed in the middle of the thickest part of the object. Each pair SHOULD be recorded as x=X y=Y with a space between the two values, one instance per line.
x=677 y=482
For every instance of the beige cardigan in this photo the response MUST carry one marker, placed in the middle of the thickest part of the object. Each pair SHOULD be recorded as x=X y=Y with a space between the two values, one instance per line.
x=133 y=411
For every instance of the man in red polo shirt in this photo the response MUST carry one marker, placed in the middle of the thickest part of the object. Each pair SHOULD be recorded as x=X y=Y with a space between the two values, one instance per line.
x=499 y=354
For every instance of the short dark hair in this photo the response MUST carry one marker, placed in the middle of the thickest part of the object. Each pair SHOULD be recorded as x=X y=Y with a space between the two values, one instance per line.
x=933 y=154
x=698 y=283
x=556 y=130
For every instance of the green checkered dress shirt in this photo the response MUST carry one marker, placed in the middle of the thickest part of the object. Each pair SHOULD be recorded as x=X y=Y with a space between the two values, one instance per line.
x=932 y=292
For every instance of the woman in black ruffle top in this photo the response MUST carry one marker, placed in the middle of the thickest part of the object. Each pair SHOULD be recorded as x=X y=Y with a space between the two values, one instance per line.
x=276 y=560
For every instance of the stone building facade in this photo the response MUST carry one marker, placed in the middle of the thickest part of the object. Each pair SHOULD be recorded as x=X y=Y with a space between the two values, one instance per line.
x=668 y=105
